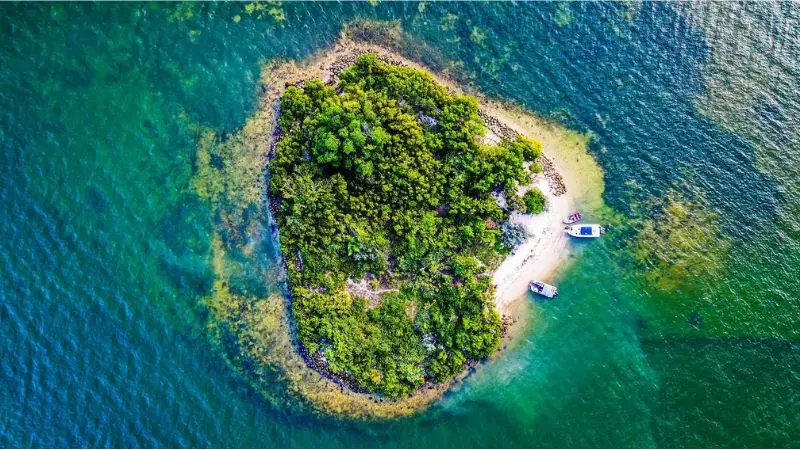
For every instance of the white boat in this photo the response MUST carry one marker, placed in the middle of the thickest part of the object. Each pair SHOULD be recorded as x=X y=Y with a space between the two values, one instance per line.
x=585 y=231
x=543 y=289
x=573 y=218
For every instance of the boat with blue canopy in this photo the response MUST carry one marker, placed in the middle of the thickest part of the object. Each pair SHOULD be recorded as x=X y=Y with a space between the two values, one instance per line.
x=585 y=231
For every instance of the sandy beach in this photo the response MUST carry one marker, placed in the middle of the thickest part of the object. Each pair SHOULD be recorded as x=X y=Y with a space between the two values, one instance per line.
x=575 y=184
x=539 y=255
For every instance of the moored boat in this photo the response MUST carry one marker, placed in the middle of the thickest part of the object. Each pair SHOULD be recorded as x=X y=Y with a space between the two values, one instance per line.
x=573 y=218
x=543 y=289
x=585 y=231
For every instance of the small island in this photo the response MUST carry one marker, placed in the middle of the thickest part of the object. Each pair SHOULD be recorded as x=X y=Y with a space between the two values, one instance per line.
x=387 y=206
x=410 y=216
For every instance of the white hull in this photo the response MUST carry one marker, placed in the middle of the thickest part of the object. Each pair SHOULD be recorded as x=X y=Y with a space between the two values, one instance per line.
x=585 y=231
x=543 y=289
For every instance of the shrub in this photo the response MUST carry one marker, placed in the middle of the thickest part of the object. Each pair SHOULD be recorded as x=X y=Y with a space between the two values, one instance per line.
x=535 y=201
x=515 y=203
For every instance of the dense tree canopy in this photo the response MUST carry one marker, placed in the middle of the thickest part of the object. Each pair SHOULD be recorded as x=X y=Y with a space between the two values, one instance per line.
x=385 y=174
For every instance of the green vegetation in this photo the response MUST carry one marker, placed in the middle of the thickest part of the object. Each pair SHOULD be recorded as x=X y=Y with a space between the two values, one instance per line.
x=534 y=201
x=384 y=174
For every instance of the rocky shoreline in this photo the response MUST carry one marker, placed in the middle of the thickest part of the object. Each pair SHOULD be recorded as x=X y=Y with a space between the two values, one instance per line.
x=555 y=181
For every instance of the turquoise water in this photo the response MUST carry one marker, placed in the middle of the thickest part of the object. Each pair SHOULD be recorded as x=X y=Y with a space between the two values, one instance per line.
x=105 y=248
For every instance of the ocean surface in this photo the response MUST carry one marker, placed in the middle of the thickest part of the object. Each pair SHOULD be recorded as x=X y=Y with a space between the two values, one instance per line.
x=105 y=250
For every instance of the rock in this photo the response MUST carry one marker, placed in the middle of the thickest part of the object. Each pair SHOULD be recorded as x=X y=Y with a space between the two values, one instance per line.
x=554 y=178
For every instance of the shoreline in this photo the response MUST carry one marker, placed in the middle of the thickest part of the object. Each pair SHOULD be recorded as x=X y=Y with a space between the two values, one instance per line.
x=571 y=181
x=538 y=257
x=332 y=395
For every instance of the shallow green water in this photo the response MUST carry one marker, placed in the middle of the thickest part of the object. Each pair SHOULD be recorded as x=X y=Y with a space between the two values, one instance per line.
x=105 y=248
